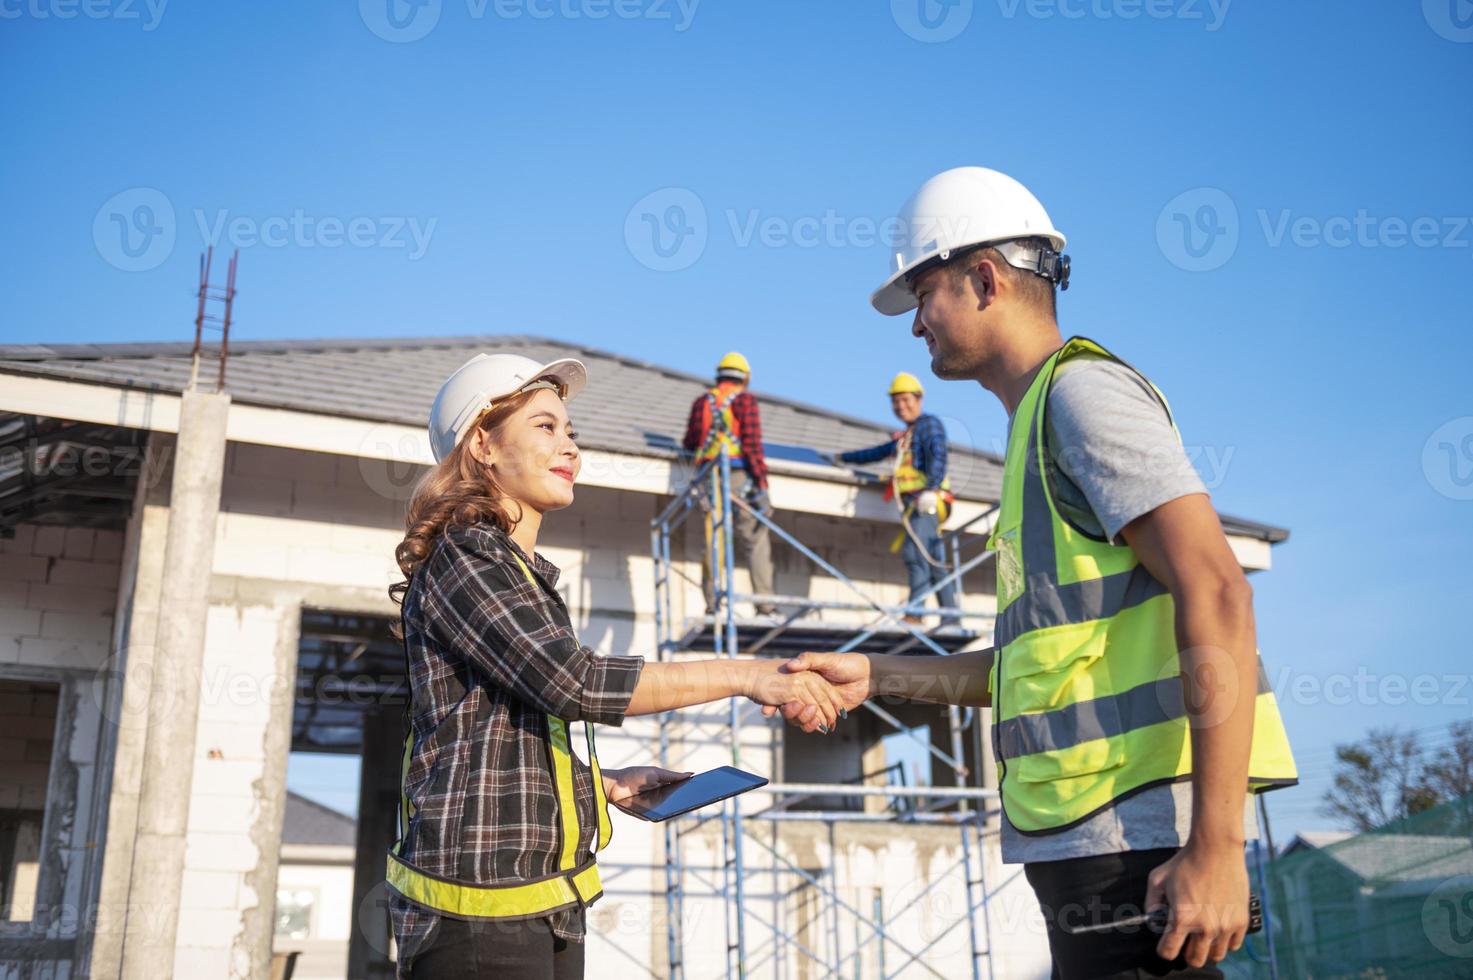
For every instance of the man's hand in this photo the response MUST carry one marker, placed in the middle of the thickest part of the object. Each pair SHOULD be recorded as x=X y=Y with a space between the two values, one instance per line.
x=1205 y=889
x=760 y=501
x=848 y=673
x=620 y=784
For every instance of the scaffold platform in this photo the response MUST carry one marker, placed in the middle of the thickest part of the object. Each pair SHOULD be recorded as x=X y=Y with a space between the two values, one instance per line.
x=860 y=623
x=779 y=636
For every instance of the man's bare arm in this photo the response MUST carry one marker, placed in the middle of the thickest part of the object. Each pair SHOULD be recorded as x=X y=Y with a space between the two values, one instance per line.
x=960 y=678
x=1205 y=885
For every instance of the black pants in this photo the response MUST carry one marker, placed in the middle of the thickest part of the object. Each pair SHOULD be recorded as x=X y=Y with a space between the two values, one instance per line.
x=525 y=950
x=1082 y=891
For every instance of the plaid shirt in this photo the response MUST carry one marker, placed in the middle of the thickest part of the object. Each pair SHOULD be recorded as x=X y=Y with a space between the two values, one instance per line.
x=748 y=422
x=491 y=655
x=927 y=450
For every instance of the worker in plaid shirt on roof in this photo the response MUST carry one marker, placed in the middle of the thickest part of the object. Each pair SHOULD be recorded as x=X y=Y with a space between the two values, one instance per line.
x=726 y=421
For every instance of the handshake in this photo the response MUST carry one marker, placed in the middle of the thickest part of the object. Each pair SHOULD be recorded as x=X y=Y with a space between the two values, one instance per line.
x=813 y=691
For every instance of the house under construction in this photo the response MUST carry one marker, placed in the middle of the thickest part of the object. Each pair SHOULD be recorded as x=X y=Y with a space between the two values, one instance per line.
x=193 y=586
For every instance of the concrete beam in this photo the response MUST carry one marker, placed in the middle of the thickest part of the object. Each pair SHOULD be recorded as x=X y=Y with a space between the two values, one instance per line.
x=795 y=487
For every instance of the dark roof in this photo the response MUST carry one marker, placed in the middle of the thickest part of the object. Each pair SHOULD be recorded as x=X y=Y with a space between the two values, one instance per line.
x=309 y=822
x=629 y=406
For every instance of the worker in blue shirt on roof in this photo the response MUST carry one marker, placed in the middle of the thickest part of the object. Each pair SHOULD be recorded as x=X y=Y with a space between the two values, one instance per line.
x=919 y=486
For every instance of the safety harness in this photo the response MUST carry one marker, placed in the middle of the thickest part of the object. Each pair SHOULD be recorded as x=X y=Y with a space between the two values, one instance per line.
x=724 y=437
x=907 y=479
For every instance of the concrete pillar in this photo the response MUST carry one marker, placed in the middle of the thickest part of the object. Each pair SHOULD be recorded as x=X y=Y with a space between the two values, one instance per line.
x=259 y=920
x=378 y=800
x=126 y=705
x=168 y=762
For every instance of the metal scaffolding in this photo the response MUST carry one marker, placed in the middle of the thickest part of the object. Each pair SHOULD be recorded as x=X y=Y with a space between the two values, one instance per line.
x=728 y=635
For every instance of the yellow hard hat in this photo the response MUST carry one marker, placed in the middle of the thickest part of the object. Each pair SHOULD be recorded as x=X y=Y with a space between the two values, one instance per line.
x=906 y=382
x=733 y=365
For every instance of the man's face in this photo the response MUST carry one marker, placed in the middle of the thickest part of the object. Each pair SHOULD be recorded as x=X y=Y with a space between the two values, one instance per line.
x=952 y=319
x=906 y=405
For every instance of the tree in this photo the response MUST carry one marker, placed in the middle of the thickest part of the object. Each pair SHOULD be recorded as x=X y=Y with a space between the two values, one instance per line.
x=1382 y=779
x=1450 y=774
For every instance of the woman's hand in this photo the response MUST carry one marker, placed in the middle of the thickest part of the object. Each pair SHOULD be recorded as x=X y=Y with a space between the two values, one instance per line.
x=813 y=703
x=620 y=784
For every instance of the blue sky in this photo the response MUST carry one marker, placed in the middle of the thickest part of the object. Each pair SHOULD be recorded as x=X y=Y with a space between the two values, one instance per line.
x=481 y=166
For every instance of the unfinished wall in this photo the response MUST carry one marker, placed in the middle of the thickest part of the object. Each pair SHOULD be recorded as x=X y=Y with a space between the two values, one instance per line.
x=58 y=593
x=58 y=590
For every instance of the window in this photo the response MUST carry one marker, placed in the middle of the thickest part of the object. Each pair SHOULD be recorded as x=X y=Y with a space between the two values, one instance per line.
x=294 y=912
x=27 y=735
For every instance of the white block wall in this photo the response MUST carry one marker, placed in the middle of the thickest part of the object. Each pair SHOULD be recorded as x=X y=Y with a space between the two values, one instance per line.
x=58 y=595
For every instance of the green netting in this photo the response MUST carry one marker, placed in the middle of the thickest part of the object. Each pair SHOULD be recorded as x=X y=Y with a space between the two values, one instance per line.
x=1394 y=902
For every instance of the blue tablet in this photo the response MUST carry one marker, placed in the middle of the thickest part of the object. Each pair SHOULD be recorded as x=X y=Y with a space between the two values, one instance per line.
x=702 y=789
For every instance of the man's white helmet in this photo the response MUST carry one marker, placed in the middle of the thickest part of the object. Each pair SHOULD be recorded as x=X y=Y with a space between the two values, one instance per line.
x=960 y=208
x=479 y=382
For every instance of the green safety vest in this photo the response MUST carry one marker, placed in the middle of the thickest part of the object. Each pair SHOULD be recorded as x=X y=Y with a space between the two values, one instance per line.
x=1087 y=695
x=573 y=884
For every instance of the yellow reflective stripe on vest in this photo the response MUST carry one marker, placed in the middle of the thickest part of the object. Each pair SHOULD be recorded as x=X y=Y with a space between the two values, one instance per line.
x=562 y=775
x=600 y=800
x=406 y=806
x=1075 y=730
x=493 y=902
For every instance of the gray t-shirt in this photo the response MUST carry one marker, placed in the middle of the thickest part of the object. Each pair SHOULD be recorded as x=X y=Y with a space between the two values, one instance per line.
x=1117 y=458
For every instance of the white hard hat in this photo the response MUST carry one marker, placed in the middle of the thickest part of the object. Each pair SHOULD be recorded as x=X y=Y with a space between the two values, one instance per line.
x=963 y=207
x=483 y=379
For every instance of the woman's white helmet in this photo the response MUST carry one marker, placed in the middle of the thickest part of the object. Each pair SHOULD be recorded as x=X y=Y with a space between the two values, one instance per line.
x=478 y=383
x=960 y=208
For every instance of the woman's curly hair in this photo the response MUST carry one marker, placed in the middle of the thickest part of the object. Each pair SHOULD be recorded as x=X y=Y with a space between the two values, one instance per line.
x=459 y=491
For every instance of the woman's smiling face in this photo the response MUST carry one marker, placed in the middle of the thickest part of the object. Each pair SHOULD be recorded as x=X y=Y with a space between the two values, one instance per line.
x=533 y=454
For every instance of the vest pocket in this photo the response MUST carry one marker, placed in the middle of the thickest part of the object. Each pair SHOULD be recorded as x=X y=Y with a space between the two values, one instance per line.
x=1048 y=670
x=1075 y=769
